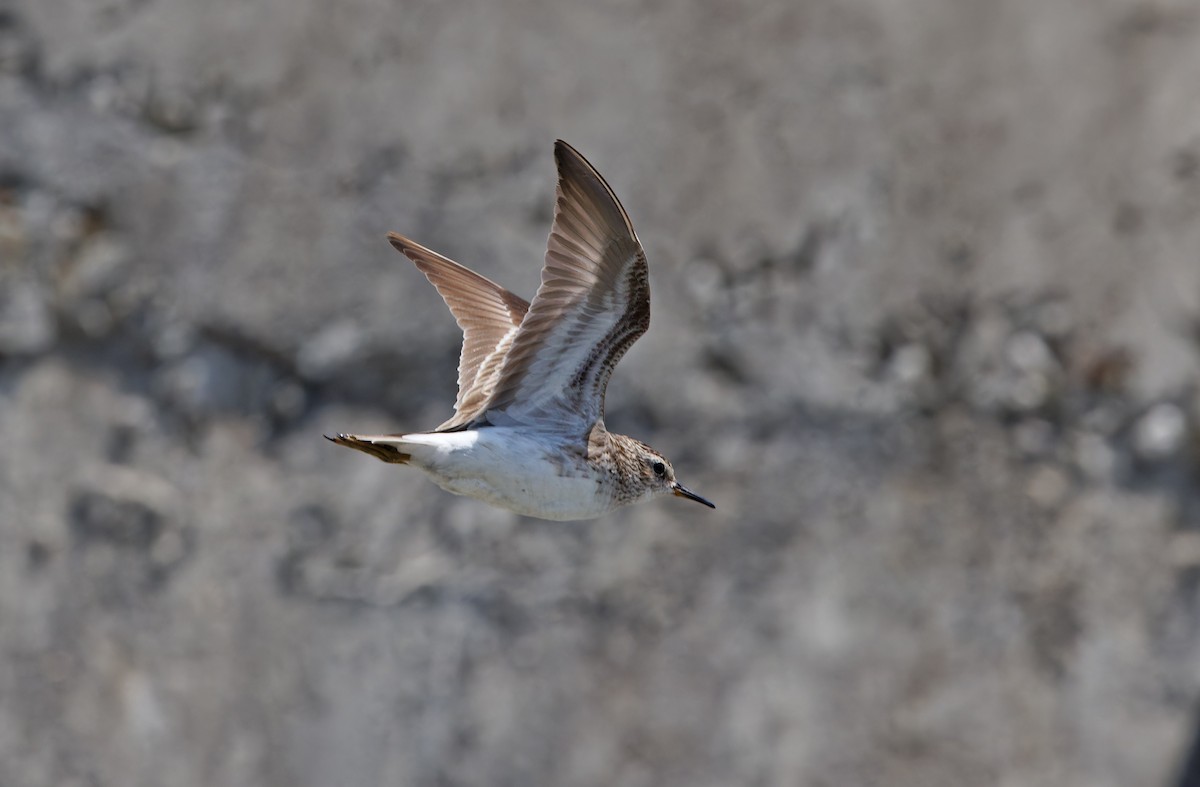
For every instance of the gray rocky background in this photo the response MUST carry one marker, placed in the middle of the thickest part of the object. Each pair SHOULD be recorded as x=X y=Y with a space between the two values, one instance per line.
x=926 y=286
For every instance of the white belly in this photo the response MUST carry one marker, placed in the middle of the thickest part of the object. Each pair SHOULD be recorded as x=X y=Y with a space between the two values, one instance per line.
x=510 y=468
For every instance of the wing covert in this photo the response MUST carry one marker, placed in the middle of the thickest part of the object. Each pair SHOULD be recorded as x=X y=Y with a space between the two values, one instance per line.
x=488 y=315
x=592 y=305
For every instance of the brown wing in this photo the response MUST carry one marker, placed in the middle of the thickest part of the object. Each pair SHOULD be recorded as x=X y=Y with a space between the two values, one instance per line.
x=488 y=315
x=593 y=303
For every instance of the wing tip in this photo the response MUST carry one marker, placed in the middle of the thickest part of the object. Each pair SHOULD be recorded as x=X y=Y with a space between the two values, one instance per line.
x=564 y=148
x=417 y=254
x=567 y=157
x=579 y=181
x=399 y=242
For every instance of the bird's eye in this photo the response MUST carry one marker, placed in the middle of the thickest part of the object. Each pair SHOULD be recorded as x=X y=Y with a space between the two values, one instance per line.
x=659 y=469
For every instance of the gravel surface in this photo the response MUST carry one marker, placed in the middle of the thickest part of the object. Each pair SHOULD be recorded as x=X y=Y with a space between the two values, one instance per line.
x=926 y=329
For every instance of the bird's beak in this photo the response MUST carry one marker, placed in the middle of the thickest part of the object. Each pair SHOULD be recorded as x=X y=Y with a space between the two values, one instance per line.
x=682 y=491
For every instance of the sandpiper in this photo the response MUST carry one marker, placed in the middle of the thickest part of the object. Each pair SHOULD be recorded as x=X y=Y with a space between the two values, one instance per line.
x=528 y=427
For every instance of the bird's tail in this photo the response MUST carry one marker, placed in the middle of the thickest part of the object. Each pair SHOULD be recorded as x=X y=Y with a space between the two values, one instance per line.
x=386 y=448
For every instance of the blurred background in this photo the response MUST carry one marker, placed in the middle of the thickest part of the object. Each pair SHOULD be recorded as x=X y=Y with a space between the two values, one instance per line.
x=926 y=325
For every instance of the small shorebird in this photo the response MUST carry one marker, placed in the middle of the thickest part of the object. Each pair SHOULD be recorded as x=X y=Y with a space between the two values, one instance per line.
x=528 y=427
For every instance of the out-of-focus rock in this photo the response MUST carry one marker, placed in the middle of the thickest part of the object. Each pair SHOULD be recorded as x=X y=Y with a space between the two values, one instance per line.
x=203 y=383
x=100 y=265
x=128 y=529
x=1095 y=457
x=911 y=364
x=1160 y=432
x=172 y=109
x=318 y=565
x=1048 y=486
x=27 y=324
x=170 y=337
x=123 y=507
x=1031 y=370
x=12 y=233
x=330 y=349
x=897 y=339
x=1185 y=550
x=1034 y=437
x=1103 y=419
x=18 y=51
x=91 y=287
x=1028 y=352
x=1054 y=319
x=288 y=400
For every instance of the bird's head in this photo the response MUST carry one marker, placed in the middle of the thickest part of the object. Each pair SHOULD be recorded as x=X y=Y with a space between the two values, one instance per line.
x=658 y=477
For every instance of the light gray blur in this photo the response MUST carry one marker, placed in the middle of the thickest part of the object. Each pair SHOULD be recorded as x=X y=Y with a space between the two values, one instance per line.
x=925 y=293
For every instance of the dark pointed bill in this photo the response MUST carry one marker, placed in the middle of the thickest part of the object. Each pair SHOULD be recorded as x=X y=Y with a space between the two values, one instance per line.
x=683 y=491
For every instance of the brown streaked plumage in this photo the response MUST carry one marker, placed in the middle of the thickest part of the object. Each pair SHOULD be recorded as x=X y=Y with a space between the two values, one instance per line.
x=488 y=315
x=594 y=302
x=528 y=429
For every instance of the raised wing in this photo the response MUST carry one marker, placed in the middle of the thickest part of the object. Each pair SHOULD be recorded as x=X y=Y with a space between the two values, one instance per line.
x=593 y=303
x=488 y=315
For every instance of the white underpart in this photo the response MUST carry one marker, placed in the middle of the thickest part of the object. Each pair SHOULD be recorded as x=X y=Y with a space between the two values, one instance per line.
x=510 y=468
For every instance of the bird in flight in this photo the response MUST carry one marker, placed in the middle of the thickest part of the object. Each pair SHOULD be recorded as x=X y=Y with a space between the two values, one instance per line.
x=528 y=431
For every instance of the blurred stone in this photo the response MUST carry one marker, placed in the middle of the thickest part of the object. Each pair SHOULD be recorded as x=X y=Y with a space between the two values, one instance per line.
x=1034 y=437
x=121 y=506
x=985 y=339
x=57 y=666
x=1094 y=456
x=100 y=559
x=1160 y=432
x=135 y=411
x=1185 y=549
x=39 y=211
x=172 y=110
x=26 y=322
x=124 y=90
x=168 y=549
x=37 y=554
x=205 y=382
x=832 y=619
x=166 y=153
x=1104 y=418
x=1047 y=487
x=705 y=279
x=330 y=349
x=12 y=235
x=416 y=572
x=1108 y=370
x=18 y=53
x=67 y=223
x=102 y=92
x=100 y=265
x=1029 y=392
x=288 y=400
x=910 y=364
x=979 y=361
x=308 y=527
x=1054 y=319
x=94 y=318
x=1028 y=352
x=1017 y=373
x=172 y=339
